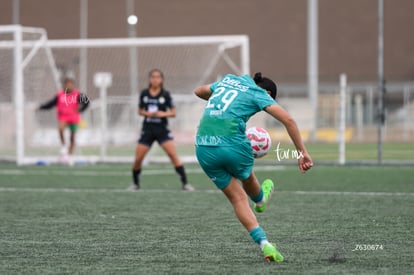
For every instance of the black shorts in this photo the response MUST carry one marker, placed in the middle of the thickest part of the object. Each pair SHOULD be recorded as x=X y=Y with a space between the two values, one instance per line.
x=149 y=134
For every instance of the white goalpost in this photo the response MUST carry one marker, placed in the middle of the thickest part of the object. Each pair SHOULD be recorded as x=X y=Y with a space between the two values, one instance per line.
x=17 y=61
x=342 y=119
x=32 y=68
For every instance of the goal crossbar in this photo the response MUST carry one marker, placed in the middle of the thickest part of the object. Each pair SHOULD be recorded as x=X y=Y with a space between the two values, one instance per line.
x=229 y=41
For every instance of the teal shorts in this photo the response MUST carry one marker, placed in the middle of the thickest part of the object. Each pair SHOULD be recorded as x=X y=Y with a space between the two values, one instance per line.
x=221 y=163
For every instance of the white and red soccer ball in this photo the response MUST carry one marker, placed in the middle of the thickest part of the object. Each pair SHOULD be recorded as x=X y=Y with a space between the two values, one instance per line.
x=259 y=140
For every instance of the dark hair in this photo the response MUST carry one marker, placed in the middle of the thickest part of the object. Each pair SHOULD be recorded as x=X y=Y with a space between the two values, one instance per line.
x=68 y=79
x=162 y=77
x=265 y=83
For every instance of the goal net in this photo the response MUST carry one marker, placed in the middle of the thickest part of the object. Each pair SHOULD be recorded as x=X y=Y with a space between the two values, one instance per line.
x=33 y=68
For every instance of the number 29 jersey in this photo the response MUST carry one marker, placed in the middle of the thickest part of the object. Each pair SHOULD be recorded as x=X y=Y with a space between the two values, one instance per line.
x=234 y=99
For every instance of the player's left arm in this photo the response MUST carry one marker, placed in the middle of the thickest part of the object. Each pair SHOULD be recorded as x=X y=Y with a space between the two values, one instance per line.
x=171 y=112
x=83 y=101
x=305 y=161
x=203 y=92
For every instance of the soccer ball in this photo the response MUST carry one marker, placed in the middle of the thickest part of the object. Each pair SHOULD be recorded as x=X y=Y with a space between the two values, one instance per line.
x=259 y=140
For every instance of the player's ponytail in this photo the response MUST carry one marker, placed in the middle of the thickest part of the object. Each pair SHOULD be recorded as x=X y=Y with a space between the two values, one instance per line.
x=258 y=78
x=265 y=83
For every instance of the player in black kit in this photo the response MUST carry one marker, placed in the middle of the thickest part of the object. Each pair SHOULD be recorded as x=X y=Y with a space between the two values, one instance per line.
x=156 y=106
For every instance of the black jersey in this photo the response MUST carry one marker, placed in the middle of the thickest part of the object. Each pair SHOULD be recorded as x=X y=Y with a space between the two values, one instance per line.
x=161 y=102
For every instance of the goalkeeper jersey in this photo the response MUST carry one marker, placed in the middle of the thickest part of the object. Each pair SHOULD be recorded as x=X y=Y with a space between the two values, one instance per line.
x=234 y=99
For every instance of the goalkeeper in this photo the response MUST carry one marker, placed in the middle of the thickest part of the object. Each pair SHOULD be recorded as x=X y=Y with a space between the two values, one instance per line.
x=69 y=103
x=225 y=154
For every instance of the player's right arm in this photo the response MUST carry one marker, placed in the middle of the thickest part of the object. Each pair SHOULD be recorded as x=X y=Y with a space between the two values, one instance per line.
x=203 y=92
x=141 y=107
x=49 y=105
x=275 y=110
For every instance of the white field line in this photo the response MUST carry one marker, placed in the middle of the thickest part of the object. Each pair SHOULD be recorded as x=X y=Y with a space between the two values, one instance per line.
x=94 y=173
x=345 y=193
x=210 y=191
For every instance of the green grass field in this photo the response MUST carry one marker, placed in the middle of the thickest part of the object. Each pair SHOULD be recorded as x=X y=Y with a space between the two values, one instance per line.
x=329 y=152
x=321 y=152
x=73 y=220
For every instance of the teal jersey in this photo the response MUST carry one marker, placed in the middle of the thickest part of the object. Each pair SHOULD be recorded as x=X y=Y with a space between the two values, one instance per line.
x=234 y=99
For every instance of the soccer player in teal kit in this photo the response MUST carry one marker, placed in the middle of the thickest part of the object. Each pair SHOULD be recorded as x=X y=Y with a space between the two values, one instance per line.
x=224 y=151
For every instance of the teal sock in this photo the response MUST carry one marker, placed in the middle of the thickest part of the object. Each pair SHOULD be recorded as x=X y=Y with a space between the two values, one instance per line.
x=258 y=235
x=259 y=197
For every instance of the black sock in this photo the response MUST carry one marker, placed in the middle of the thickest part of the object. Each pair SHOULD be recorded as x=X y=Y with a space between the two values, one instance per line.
x=180 y=171
x=135 y=176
